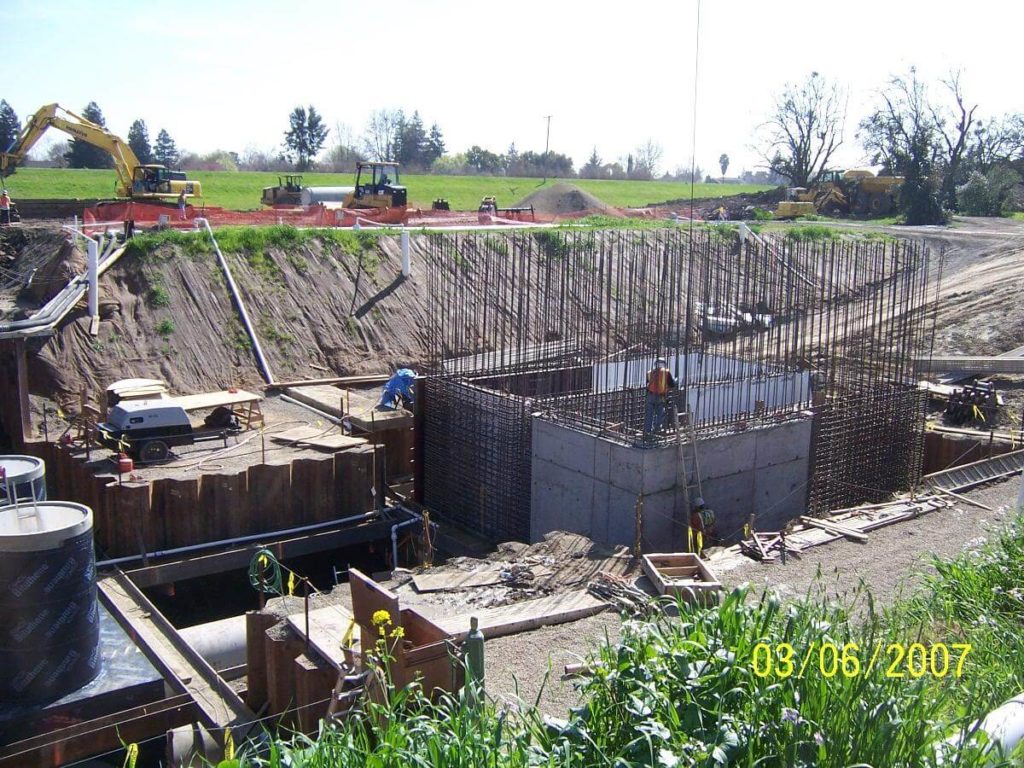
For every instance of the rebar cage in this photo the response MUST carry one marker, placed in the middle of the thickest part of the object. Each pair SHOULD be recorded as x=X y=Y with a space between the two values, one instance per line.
x=754 y=329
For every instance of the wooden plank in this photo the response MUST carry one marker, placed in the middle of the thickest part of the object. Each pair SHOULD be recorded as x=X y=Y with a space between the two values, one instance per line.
x=256 y=625
x=182 y=667
x=964 y=499
x=177 y=513
x=316 y=438
x=269 y=490
x=100 y=735
x=215 y=399
x=225 y=506
x=835 y=528
x=327 y=627
x=323 y=398
x=526 y=615
x=369 y=379
x=364 y=414
x=354 y=481
x=369 y=597
x=312 y=490
x=446 y=579
x=314 y=683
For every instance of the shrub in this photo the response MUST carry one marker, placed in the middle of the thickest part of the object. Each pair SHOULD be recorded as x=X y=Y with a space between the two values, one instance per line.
x=987 y=194
x=165 y=327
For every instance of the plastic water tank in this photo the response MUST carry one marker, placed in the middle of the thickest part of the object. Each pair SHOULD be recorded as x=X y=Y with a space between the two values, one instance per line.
x=314 y=195
x=49 y=618
x=22 y=478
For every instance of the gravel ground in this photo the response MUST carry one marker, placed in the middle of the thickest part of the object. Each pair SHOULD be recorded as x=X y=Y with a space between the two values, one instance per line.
x=892 y=563
x=894 y=560
x=244 y=450
x=529 y=666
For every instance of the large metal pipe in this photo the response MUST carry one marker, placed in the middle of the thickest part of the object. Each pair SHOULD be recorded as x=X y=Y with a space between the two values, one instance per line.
x=221 y=643
x=256 y=348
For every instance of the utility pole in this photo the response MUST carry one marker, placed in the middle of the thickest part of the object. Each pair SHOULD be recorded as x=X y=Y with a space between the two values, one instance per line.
x=547 y=145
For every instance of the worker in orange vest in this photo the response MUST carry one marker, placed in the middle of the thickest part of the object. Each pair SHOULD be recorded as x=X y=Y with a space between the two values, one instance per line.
x=5 y=208
x=660 y=382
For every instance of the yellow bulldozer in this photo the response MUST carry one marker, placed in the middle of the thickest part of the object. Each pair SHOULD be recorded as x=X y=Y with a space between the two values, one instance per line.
x=857 y=192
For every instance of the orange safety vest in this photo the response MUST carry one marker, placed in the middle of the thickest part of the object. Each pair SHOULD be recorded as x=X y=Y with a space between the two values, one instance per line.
x=657 y=381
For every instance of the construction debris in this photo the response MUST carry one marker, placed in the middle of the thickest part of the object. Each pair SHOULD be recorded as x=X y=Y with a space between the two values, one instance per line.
x=853 y=523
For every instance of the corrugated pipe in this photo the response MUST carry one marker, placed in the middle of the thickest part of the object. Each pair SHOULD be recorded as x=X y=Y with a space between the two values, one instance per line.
x=256 y=348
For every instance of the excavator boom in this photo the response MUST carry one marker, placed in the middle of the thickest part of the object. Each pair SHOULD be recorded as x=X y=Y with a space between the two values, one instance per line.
x=133 y=178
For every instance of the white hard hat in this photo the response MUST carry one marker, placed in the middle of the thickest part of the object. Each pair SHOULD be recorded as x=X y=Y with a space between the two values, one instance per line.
x=661 y=361
x=698 y=502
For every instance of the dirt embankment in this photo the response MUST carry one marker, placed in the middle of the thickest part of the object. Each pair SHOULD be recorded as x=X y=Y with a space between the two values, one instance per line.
x=168 y=314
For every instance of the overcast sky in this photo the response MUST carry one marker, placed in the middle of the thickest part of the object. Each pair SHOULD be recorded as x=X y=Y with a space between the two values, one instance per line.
x=224 y=74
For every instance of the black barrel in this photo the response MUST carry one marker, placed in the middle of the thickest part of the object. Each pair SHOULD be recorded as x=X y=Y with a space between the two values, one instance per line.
x=49 y=617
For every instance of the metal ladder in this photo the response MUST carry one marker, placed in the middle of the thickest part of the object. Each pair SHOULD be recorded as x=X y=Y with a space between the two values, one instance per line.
x=687 y=456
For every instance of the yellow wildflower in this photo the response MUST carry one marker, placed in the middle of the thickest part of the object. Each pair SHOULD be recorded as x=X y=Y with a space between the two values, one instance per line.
x=398 y=633
x=381 y=618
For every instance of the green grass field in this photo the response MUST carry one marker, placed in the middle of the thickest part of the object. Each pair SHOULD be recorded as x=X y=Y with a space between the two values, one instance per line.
x=241 y=190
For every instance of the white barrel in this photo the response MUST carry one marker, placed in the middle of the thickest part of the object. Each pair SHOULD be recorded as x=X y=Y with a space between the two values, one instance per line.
x=49 y=617
x=22 y=478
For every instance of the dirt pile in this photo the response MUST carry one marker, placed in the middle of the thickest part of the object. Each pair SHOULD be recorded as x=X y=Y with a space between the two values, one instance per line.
x=563 y=198
x=737 y=207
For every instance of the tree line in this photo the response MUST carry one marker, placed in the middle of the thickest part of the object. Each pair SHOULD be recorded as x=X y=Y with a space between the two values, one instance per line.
x=77 y=153
x=951 y=156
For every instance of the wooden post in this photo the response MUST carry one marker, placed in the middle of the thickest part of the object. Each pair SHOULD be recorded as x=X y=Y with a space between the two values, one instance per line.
x=256 y=626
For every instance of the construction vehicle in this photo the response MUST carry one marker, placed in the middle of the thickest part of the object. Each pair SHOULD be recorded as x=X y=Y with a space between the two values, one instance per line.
x=287 y=192
x=377 y=186
x=841 y=193
x=489 y=207
x=134 y=180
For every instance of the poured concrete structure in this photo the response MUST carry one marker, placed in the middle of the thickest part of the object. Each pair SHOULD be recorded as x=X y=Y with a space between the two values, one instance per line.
x=590 y=485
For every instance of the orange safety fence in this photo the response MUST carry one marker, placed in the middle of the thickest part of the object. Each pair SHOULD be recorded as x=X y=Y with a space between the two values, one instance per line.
x=116 y=215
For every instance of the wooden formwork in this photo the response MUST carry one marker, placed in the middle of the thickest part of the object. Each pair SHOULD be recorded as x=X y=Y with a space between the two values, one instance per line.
x=681 y=574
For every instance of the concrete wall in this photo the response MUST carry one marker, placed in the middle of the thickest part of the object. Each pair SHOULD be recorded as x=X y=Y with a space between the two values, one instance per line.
x=589 y=485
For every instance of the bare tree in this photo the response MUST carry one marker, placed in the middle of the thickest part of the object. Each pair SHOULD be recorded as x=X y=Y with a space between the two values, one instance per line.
x=381 y=135
x=343 y=156
x=996 y=141
x=953 y=126
x=901 y=136
x=55 y=154
x=647 y=158
x=804 y=129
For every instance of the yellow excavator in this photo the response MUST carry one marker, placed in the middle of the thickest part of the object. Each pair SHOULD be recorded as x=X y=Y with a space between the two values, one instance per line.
x=134 y=180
